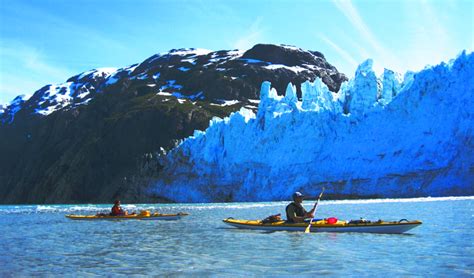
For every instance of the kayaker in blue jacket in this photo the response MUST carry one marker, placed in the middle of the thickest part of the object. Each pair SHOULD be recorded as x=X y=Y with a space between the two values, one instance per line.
x=295 y=211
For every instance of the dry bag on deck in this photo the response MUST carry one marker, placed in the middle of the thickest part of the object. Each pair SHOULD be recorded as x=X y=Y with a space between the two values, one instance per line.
x=272 y=218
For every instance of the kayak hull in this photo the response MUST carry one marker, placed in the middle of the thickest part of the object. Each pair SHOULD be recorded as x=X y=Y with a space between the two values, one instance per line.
x=155 y=216
x=341 y=226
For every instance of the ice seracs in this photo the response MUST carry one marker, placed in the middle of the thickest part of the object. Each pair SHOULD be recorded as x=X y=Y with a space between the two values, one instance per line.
x=291 y=99
x=376 y=136
x=390 y=86
x=363 y=91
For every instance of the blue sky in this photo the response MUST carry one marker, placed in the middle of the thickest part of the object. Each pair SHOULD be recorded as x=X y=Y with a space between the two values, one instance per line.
x=45 y=42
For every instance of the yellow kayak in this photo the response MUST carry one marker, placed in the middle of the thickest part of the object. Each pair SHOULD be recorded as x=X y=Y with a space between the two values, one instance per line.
x=387 y=227
x=141 y=216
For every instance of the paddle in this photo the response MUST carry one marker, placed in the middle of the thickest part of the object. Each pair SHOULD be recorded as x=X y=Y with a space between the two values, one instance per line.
x=308 y=229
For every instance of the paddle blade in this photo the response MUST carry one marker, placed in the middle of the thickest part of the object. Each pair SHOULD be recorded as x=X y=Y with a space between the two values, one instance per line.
x=308 y=229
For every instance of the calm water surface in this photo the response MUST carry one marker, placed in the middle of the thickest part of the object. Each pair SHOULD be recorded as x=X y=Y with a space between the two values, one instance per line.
x=40 y=241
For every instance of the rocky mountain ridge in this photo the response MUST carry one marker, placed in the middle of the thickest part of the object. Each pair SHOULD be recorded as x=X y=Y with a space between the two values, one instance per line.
x=94 y=137
x=188 y=74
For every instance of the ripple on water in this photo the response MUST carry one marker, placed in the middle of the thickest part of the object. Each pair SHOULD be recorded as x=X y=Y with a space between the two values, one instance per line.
x=39 y=240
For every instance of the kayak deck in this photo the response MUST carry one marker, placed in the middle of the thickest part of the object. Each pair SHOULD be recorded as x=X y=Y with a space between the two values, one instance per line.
x=392 y=227
x=154 y=216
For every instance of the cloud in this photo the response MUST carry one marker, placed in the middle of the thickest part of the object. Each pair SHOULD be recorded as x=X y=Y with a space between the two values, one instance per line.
x=16 y=85
x=24 y=65
x=428 y=40
x=63 y=27
x=351 y=14
x=215 y=11
x=344 y=54
x=24 y=69
x=30 y=59
x=251 y=38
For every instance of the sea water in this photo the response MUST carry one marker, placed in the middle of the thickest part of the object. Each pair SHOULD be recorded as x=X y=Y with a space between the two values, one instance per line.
x=37 y=240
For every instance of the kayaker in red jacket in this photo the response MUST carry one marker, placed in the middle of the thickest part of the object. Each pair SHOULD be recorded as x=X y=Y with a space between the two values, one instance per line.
x=117 y=209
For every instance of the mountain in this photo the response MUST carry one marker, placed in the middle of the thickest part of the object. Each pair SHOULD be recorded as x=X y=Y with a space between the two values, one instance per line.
x=381 y=136
x=96 y=136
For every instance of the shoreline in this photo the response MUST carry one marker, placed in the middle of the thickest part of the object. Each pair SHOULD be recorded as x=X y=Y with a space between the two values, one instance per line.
x=307 y=200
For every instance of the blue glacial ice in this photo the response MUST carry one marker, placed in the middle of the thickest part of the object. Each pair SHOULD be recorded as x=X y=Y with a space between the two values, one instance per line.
x=386 y=137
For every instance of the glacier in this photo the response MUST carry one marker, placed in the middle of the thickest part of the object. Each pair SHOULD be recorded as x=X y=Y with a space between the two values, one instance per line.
x=384 y=136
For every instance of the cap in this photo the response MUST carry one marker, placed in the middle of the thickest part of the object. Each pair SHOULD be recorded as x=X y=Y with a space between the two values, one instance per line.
x=297 y=194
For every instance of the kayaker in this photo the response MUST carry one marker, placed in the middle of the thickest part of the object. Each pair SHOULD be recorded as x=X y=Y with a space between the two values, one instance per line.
x=117 y=209
x=295 y=211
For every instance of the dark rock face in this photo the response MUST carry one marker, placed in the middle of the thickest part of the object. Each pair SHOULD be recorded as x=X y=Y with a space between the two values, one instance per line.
x=289 y=56
x=96 y=137
x=292 y=56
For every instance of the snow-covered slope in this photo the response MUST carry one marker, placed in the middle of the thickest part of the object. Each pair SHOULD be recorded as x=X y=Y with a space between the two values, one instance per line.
x=376 y=136
x=77 y=90
x=184 y=73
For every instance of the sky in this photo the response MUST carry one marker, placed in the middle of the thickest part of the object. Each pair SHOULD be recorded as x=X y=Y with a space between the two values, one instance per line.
x=48 y=41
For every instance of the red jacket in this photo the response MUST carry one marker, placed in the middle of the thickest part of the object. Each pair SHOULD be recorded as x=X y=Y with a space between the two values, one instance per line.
x=117 y=210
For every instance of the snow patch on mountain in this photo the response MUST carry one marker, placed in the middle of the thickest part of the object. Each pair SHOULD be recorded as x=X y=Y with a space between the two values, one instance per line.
x=78 y=90
x=112 y=80
x=189 y=51
x=99 y=72
x=377 y=136
x=171 y=84
x=156 y=75
x=131 y=68
x=291 y=47
x=13 y=108
x=223 y=102
x=183 y=97
x=82 y=88
x=55 y=98
x=296 y=69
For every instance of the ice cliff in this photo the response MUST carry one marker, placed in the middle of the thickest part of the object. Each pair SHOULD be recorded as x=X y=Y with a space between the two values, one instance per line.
x=386 y=136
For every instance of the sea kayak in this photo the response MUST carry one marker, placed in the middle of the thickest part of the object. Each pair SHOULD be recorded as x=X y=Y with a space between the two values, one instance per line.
x=385 y=227
x=154 y=216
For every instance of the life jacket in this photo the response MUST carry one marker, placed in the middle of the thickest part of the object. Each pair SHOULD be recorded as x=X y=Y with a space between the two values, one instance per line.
x=116 y=210
x=299 y=210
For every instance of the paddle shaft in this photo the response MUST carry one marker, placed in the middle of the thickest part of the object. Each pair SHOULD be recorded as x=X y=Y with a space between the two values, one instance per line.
x=314 y=211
